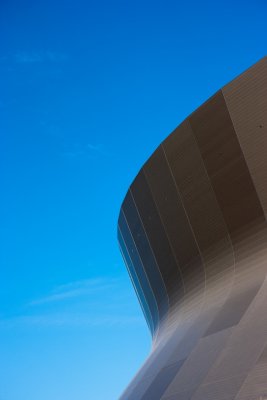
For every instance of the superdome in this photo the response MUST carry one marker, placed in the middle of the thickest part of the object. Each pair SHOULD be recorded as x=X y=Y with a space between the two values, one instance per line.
x=192 y=230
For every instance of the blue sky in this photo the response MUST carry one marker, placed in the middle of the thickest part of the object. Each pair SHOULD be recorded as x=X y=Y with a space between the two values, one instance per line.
x=88 y=89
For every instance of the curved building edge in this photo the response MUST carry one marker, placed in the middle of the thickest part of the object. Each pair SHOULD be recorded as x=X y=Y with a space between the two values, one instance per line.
x=192 y=231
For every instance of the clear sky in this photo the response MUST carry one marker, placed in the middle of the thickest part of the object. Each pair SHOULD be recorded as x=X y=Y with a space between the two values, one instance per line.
x=88 y=89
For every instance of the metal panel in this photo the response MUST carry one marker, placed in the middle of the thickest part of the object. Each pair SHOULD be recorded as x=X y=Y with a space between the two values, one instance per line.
x=193 y=233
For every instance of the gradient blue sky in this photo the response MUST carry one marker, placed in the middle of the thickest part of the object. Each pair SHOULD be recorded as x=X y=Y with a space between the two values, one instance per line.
x=88 y=89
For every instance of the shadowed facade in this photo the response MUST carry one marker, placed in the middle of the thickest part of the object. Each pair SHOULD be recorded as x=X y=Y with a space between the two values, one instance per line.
x=192 y=231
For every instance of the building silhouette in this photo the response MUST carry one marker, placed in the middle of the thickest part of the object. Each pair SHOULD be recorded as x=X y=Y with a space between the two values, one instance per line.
x=192 y=231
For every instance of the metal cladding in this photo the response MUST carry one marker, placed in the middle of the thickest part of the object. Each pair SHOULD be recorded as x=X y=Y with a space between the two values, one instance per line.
x=192 y=230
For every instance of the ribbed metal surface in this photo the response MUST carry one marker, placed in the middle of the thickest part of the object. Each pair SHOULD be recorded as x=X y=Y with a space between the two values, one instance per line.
x=192 y=230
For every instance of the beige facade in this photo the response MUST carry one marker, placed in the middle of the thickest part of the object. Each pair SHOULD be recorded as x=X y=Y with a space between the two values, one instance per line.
x=193 y=233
